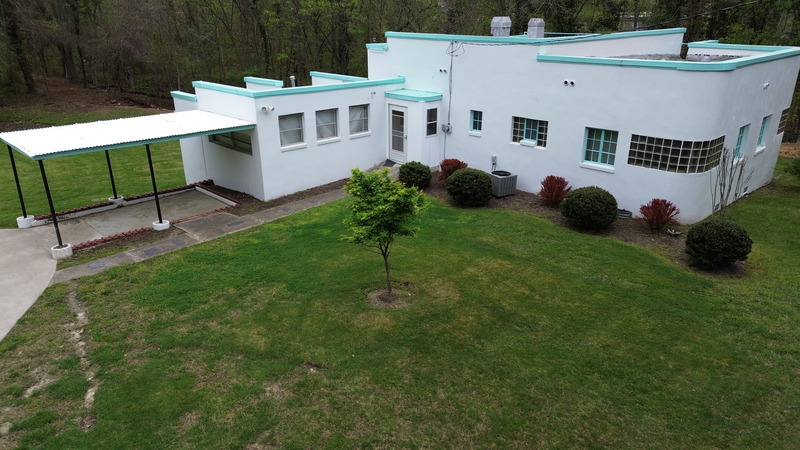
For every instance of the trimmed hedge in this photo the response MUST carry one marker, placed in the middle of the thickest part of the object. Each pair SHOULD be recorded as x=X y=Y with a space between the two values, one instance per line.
x=717 y=243
x=415 y=174
x=469 y=187
x=590 y=208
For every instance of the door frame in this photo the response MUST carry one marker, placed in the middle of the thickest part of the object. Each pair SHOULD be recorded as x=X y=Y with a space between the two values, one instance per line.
x=394 y=155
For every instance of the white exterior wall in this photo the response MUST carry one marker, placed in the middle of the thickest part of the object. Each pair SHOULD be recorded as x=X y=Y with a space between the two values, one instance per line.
x=656 y=44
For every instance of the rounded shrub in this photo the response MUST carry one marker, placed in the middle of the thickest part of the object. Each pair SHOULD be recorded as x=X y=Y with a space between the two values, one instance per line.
x=415 y=174
x=469 y=187
x=590 y=208
x=717 y=243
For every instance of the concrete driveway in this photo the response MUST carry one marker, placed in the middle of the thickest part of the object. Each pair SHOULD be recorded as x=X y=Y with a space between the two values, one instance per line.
x=26 y=267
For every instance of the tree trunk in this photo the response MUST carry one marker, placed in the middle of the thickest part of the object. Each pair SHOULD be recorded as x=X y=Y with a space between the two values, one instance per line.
x=385 y=253
x=14 y=38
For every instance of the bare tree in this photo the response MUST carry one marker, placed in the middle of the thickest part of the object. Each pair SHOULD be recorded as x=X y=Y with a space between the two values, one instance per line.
x=729 y=181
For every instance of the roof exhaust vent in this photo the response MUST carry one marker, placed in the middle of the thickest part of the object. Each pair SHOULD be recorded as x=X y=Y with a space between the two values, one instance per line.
x=536 y=28
x=501 y=26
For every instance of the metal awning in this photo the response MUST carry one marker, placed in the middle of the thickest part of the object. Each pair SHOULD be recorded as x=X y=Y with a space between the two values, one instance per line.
x=54 y=142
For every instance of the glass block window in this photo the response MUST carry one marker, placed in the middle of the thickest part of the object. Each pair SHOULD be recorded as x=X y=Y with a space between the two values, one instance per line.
x=531 y=130
x=740 y=140
x=672 y=155
x=475 y=121
x=359 y=119
x=291 y=129
x=784 y=119
x=327 y=124
x=601 y=146
x=430 y=127
x=234 y=141
x=764 y=126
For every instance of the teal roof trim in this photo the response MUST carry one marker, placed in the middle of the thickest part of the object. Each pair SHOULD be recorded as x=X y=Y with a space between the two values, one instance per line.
x=713 y=66
x=336 y=76
x=264 y=81
x=295 y=90
x=380 y=47
x=413 y=95
x=742 y=47
x=183 y=96
x=531 y=41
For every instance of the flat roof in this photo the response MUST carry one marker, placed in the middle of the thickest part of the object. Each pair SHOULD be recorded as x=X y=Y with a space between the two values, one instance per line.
x=54 y=142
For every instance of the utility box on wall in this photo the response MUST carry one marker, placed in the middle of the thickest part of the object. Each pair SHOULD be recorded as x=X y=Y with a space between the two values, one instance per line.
x=503 y=183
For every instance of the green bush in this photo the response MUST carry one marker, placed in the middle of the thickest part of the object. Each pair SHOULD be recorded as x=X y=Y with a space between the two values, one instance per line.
x=415 y=174
x=794 y=167
x=717 y=243
x=469 y=187
x=590 y=208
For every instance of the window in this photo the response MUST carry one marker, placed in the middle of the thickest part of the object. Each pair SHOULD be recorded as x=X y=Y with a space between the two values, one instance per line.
x=740 y=140
x=601 y=146
x=327 y=124
x=672 y=155
x=431 y=123
x=475 y=121
x=234 y=141
x=359 y=119
x=291 y=129
x=764 y=125
x=784 y=118
x=529 y=130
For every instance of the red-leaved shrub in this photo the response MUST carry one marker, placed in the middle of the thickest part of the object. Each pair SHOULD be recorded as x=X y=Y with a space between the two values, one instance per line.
x=449 y=166
x=658 y=212
x=554 y=189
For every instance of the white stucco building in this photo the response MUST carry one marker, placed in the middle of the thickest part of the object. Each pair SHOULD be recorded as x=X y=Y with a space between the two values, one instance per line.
x=621 y=111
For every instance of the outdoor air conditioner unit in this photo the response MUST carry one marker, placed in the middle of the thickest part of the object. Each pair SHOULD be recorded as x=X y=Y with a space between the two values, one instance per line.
x=503 y=183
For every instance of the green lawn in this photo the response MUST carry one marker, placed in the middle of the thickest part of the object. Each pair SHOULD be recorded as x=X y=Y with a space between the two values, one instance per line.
x=520 y=334
x=83 y=179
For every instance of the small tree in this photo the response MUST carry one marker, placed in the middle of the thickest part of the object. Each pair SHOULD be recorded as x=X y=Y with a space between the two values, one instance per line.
x=382 y=209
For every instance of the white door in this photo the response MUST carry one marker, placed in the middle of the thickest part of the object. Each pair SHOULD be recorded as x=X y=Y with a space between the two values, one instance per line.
x=398 y=136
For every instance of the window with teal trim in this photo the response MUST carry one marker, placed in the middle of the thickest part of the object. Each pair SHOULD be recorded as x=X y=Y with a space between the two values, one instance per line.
x=234 y=141
x=740 y=140
x=784 y=119
x=761 y=133
x=475 y=121
x=529 y=130
x=601 y=146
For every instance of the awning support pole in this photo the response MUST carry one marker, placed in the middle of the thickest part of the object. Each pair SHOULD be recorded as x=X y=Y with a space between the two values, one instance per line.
x=16 y=180
x=111 y=175
x=153 y=177
x=50 y=203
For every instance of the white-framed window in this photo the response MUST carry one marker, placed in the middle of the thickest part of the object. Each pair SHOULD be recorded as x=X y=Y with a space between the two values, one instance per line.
x=432 y=122
x=359 y=119
x=291 y=129
x=327 y=124
x=673 y=155
x=475 y=121
x=233 y=140
x=529 y=130
x=784 y=119
x=761 y=134
x=600 y=146
x=740 y=140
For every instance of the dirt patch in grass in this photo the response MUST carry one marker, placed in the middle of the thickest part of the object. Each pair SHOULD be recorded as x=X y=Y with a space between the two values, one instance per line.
x=402 y=293
x=790 y=149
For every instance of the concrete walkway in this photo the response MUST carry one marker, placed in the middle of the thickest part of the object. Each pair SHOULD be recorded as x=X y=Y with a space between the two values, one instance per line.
x=28 y=268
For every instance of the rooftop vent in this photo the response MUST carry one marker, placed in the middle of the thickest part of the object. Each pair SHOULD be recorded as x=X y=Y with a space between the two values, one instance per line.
x=501 y=26
x=536 y=28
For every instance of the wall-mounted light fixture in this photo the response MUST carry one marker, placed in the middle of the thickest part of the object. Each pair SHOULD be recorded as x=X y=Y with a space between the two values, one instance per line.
x=766 y=85
x=267 y=109
x=570 y=83
x=442 y=70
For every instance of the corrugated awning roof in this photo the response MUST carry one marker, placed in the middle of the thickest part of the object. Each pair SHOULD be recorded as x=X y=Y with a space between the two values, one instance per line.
x=54 y=142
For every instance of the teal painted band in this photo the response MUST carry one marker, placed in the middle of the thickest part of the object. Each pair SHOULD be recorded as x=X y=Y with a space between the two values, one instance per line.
x=295 y=90
x=741 y=47
x=527 y=40
x=336 y=76
x=381 y=47
x=135 y=144
x=264 y=81
x=414 y=96
x=183 y=96
x=713 y=66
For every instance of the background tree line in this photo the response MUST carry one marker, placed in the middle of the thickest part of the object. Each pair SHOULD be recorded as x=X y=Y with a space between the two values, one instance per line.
x=154 y=46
